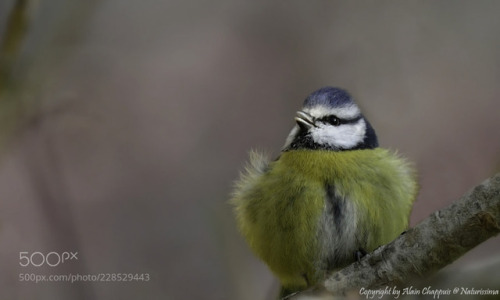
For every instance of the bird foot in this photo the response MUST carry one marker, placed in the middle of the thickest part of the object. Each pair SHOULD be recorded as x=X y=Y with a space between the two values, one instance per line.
x=359 y=254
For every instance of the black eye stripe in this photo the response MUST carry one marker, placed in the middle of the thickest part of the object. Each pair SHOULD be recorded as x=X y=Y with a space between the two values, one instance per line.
x=326 y=119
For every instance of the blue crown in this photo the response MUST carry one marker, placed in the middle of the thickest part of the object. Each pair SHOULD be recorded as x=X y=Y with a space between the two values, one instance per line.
x=329 y=97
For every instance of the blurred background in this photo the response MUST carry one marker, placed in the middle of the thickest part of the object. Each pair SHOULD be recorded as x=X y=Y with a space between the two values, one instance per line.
x=123 y=125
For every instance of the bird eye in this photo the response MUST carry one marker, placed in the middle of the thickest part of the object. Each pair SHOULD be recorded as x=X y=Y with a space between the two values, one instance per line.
x=333 y=120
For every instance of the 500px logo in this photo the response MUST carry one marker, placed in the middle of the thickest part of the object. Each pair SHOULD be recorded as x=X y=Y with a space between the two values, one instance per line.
x=51 y=259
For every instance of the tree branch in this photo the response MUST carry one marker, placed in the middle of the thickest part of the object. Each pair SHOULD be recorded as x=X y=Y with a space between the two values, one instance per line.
x=437 y=241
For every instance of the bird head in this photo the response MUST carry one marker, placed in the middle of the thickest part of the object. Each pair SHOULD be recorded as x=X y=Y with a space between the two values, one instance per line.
x=330 y=120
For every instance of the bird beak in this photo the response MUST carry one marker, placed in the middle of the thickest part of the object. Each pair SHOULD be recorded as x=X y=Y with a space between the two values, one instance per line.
x=304 y=120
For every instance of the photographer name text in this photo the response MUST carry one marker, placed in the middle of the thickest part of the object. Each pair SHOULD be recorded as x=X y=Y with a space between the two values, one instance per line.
x=436 y=293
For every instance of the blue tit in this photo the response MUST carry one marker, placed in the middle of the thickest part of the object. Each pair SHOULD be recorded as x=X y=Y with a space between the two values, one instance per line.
x=330 y=194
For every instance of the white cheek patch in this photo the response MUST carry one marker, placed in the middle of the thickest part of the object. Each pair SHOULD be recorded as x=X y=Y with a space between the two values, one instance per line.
x=344 y=112
x=345 y=136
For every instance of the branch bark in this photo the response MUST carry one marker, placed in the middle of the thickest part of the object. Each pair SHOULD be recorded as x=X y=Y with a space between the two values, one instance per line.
x=424 y=249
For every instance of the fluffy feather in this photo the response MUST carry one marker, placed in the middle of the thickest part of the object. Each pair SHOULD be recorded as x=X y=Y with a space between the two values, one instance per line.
x=284 y=208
